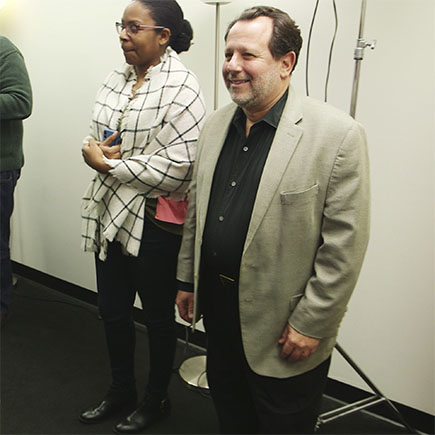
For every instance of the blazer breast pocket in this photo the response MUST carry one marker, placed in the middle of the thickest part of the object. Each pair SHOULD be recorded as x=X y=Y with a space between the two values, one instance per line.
x=300 y=197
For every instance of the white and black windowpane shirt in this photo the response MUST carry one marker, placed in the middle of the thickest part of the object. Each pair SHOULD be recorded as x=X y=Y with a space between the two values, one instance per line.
x=159 y=129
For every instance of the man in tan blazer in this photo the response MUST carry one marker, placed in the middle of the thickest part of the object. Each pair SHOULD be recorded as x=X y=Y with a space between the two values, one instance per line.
x=275 y=235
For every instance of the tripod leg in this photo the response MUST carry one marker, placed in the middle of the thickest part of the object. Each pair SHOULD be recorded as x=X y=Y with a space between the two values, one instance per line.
x=374 y=388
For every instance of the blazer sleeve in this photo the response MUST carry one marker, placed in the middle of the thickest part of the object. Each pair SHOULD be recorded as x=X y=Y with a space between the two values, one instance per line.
x=186 y=255
x=344 y=239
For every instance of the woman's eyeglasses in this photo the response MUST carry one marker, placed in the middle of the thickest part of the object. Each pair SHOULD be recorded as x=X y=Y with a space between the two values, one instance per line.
x=132 y=28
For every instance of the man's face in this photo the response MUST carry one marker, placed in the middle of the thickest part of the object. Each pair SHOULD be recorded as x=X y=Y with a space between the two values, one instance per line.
x=252 y=76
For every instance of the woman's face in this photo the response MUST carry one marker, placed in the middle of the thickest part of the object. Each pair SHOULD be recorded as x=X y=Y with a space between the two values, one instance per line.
x=144 y=48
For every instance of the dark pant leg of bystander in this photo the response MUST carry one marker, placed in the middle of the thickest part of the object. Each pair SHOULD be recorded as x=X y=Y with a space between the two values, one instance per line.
x=8 y=181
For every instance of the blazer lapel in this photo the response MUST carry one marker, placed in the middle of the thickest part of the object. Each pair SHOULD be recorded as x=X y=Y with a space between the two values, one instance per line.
x=283 y=146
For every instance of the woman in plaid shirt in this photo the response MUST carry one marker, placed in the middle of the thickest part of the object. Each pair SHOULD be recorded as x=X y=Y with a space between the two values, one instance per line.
x=133 y=210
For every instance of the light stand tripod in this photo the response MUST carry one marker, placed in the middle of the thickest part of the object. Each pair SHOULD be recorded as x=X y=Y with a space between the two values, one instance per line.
x=350 y=408
x=378 y=397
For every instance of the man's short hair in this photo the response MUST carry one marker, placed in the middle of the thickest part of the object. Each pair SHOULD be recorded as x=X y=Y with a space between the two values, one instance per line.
x=286 y=35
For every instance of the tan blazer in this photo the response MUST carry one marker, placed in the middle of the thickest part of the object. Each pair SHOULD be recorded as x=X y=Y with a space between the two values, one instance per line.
x=307 y=235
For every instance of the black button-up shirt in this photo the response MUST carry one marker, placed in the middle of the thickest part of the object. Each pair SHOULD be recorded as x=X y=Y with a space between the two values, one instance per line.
x=235 y=184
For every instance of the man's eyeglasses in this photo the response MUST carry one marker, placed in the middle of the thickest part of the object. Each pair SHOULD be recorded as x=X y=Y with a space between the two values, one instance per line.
x=132 y=28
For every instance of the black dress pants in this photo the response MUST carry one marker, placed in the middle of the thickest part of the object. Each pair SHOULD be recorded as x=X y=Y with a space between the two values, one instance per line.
x=246 y=402
x=152 y=276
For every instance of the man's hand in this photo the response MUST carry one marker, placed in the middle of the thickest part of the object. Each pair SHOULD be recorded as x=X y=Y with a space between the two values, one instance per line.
x=184 y=303
x=295 y=346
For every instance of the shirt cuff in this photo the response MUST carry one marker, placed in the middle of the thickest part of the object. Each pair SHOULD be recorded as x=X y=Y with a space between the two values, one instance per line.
x=86 y=140
x=185 y=286
x=111 y=162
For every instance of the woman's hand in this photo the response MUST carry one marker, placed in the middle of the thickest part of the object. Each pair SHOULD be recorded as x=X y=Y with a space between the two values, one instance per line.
x=93 y=156
x=93 y=152
x=111 y=151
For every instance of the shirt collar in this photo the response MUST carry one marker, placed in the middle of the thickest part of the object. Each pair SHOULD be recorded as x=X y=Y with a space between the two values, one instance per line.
x=154 y=69
x=272 y=117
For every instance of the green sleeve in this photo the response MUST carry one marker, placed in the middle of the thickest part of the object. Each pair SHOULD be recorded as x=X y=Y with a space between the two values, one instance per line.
x=15 y=88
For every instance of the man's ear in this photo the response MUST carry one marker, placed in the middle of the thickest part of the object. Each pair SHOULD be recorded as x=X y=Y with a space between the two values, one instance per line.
x=287 y=64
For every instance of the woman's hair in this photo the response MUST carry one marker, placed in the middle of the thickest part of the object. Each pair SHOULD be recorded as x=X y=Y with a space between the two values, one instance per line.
x=167 y=13
x=286 y=35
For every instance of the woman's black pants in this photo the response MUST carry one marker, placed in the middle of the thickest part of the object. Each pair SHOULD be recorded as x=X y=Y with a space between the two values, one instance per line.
x=152 y=276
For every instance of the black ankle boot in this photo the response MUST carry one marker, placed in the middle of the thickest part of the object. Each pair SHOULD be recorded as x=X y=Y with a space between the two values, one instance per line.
x=149 y=411
x=113 y=403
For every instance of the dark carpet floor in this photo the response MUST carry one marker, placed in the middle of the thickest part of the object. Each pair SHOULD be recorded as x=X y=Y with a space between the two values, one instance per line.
x=54 y=365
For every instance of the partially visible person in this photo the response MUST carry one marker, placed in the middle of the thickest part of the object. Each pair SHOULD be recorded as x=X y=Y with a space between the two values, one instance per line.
x=275 y=234
x=15 y=105
x=133 y=211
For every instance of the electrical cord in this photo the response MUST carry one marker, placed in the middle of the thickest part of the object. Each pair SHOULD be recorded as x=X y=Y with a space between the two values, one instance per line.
x=309 y=45
x=176 y=370
x=330 y=50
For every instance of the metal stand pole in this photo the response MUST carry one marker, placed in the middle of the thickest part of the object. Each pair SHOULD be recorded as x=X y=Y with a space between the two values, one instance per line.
x=361 y=44
x=217 y=50
x=216 y=58
x=193 y=370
